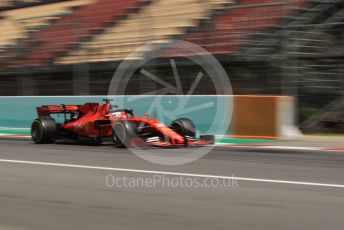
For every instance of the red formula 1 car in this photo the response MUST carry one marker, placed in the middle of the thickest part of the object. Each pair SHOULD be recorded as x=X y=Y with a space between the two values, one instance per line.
x=98 y=122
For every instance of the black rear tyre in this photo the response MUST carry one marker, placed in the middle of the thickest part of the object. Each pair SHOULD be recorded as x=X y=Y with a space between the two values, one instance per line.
x=44 y=130
x=123 y=133
x=184 y=127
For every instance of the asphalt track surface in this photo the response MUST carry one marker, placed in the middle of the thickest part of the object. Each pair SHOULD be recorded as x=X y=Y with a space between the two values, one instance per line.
x=69 y=191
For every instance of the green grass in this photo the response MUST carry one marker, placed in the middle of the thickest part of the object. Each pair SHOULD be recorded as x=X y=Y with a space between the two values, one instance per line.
x=18 y=132
x=242 y=141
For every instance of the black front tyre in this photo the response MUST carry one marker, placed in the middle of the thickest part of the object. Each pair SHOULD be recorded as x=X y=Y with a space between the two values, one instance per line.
x=44 y=130
x=184 y=127
x=123 y=133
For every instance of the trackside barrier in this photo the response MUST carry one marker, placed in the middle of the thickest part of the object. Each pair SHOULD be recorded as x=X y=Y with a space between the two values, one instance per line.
x=209 y=113
x=253 y=116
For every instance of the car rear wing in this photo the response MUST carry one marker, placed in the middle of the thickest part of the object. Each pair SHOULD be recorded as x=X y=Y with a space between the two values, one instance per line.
x=46 y=110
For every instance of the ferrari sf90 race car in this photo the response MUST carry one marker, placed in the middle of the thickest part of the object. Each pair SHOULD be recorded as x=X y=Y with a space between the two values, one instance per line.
x=98 y=122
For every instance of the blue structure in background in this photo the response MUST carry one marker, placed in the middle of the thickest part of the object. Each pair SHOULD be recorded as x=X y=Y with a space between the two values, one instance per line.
x=211 y=114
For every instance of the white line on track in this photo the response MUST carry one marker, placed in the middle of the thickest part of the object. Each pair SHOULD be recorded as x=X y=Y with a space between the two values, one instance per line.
x=279 y=147
x=12 y=128
x=291 y=147
x=172 y=173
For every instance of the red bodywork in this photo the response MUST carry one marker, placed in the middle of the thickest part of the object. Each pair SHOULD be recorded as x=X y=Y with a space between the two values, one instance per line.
x=95 y=121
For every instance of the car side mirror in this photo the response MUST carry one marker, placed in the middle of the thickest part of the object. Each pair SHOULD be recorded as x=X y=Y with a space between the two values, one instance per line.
x=146 y=115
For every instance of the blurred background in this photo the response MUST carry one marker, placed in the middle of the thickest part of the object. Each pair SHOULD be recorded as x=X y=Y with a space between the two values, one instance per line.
x=268 y=47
